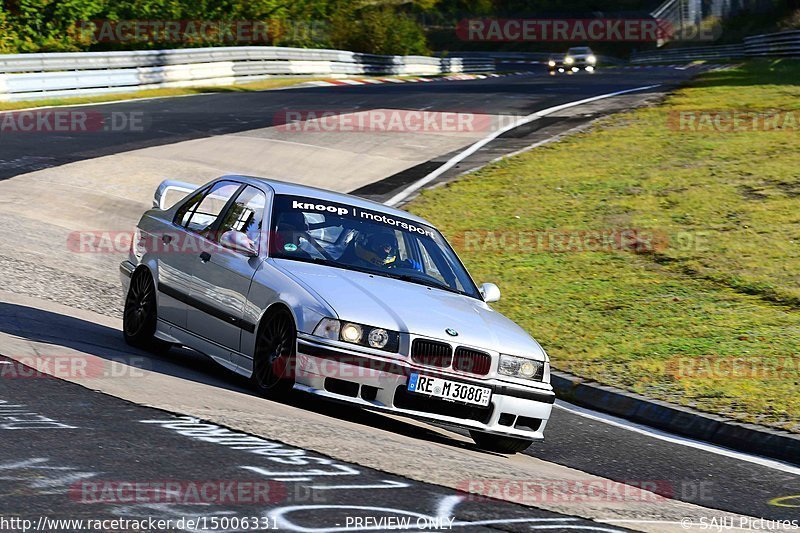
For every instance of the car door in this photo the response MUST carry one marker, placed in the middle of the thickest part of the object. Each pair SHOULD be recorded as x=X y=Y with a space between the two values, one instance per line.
x=221 y=280
x=180 y=247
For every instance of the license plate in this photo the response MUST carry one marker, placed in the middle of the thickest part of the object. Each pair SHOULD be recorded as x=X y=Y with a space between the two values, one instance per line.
x=449 y=390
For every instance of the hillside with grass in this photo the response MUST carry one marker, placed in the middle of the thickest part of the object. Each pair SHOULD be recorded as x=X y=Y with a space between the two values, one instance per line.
x=696 y=300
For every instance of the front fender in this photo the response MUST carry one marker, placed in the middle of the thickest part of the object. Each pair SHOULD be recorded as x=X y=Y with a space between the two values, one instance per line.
x=272 y=287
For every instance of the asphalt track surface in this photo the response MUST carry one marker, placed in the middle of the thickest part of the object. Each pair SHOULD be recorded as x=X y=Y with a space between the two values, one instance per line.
x=120 y=447
x=87 y=460
x=171 y=120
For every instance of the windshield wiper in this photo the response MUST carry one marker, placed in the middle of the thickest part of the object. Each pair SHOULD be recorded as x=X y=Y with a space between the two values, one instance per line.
x=421 y=281
x=316 y=260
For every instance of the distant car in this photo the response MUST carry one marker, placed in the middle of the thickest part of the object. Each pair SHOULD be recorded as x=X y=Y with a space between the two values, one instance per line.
x=580 y=57
x=555 y=63
x=300 y=288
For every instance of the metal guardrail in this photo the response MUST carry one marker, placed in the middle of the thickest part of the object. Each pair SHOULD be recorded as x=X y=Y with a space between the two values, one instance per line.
x=31 y=76
x=688 y=54
x=786 y=43
x=782 y=44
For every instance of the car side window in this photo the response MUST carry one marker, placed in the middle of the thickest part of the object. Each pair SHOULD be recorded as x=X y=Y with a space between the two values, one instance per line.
x=201 y=212
x=246 y=215
x=185 y=212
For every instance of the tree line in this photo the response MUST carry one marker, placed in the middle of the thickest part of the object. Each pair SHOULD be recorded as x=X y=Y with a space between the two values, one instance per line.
x=369 y=26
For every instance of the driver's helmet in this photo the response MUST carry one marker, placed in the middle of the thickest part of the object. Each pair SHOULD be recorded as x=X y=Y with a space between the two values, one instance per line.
x=378 y=248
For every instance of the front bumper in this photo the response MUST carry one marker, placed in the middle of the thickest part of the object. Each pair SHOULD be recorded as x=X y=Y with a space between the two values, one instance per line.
x=380 y=383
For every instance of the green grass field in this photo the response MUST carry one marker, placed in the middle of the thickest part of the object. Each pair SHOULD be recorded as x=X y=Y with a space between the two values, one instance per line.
x=698 y=301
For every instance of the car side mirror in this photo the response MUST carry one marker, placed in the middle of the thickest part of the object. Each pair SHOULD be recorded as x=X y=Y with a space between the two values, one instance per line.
x=490 y=292
x=238 y=242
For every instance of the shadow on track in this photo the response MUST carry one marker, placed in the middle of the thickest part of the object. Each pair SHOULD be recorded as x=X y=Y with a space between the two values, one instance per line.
x=48 y=327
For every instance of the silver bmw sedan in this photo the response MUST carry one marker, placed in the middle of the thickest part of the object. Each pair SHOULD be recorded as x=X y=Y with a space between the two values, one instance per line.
x=299 y=288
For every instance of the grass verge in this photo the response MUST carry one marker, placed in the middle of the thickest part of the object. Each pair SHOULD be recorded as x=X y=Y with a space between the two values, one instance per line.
x=653 y=258
x=263 y=85
x=273 y=83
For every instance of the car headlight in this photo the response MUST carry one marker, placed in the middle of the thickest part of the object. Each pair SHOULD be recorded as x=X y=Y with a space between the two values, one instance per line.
x=568 y=60
x=352 y=333
x=520 y=367
x=551 y=63
x=372 y=337
x=591 y=59
x=378 y=338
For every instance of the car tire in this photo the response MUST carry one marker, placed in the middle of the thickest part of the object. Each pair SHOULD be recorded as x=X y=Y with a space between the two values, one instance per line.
x=496 y=443
x=274 y=359
x=140 y=316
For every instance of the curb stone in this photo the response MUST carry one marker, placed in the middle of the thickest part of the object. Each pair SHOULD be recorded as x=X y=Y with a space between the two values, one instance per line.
x=684 y=421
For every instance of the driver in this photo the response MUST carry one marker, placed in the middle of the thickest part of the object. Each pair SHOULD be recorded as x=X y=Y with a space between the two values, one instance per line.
x=379 y=248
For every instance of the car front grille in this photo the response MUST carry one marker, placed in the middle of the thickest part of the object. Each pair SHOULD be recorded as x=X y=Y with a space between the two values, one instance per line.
x=472 y=361
x=431 y=353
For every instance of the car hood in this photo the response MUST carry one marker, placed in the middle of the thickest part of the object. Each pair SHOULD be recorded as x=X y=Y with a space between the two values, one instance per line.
x=411 y=308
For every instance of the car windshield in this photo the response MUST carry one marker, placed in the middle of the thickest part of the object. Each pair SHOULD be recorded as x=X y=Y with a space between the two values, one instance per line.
x=352 y=238
x=579 y=51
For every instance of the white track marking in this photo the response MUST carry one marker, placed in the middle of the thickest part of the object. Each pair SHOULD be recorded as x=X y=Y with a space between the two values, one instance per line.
x=417 y=185
x=581 y=528
x=447 y=508
x=279 y=515
x=385 y=484
x=676 y=439
x=447 y=505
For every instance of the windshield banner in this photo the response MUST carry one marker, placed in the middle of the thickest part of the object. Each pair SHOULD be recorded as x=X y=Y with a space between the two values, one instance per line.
x=313 y=205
